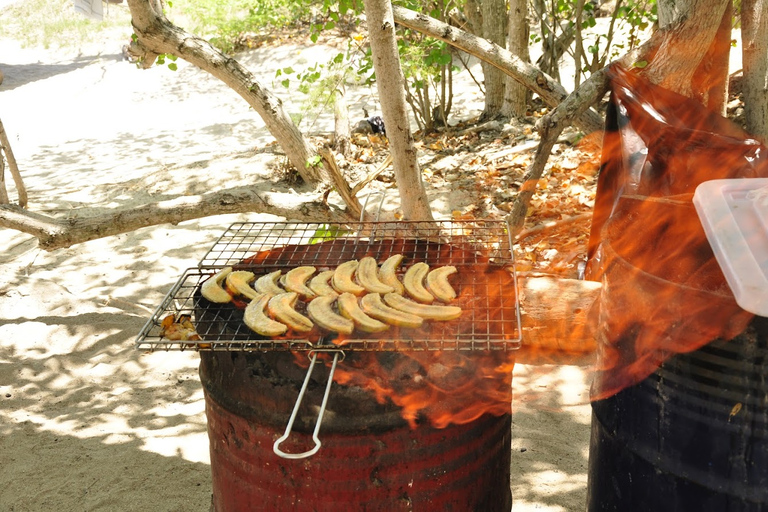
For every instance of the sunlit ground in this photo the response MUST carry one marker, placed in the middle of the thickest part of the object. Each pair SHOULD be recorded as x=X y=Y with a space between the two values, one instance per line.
x=86 y=421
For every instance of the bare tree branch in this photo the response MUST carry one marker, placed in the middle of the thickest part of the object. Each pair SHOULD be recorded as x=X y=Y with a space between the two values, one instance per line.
x=157 y=35
x=551 y=92
x=54 y=233
x=550 y=127
x=5 y=147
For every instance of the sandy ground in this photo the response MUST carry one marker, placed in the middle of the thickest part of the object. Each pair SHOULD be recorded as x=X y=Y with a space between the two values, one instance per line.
x=87 y=422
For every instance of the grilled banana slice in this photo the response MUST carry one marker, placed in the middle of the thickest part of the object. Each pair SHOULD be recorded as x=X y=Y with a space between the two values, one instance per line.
x=258 y=321
x=372 y=305
x=349 y=308
x=281 y=308
x=212 y=289
x=321 y=312
x=438 y=285
x=368 y=276
x=296 y=281
x=342 y=278
x=388 y=275
x=426 y=311
x=238 y=283
x=413 y=281
x=319 y=283
x=268 y=283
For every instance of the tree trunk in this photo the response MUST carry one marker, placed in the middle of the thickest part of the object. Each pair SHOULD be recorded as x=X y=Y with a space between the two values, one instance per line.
x=515 y=93
x=754 y=39
x=341 y=130
x=550 y=91
x=688 y=30
x=494 y=21
x=391 y=85
x=157 y=35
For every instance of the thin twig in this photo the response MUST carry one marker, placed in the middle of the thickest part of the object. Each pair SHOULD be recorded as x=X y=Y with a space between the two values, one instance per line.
x=5 y=146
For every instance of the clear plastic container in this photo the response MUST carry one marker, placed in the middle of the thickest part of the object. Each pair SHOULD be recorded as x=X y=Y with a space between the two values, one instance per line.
x=734 y=214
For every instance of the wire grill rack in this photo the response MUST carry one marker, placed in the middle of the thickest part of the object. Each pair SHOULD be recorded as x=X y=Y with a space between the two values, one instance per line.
x=481 y=250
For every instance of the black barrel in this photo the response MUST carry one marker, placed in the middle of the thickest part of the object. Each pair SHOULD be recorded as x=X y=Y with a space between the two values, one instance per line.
x=691 y=437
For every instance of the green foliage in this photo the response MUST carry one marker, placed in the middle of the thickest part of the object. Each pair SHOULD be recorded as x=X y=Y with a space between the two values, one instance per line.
x=223 y=22
x=54 y=23
x=328 y=232
x=162 y=58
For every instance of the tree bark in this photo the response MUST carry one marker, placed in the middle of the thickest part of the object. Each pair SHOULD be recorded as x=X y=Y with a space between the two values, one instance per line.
x=391 y=85
x=5 y=148
x=754 y=32
x=550 y=91
x=515 y=93
x=341 y=129
x=157 y=35
x=687 y=32
x=54 y=233
x=494 y=21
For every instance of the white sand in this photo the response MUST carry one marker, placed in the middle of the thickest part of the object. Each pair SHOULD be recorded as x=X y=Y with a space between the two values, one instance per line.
x=86 y=421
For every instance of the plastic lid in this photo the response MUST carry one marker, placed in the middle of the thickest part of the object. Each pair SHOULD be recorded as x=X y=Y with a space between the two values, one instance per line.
x=734 y=214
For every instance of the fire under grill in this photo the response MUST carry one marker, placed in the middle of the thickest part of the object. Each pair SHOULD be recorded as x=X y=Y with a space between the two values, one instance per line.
x=485 y=283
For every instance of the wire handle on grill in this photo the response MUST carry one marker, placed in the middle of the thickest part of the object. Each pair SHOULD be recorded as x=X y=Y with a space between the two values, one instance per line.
x=289 y=427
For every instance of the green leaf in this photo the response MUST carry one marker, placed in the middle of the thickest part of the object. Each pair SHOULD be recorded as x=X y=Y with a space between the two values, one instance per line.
x=286 y=83
x=288 y=71
x=327 y=232
x=314 y=161
x=640 y=64
x=172 y=66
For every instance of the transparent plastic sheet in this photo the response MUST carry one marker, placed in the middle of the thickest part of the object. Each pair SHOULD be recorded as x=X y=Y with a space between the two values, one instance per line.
x=663 y=291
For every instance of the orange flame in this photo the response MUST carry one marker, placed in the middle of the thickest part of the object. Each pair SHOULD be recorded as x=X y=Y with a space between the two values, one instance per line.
x=663 y=291
x=450 y=386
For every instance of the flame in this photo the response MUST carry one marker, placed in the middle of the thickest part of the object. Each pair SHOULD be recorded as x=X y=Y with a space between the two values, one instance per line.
x=450 y=386
x=447 y=387
x=439 y=387
x=663 y=291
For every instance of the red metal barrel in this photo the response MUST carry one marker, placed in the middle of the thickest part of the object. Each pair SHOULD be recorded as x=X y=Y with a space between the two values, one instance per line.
x=370 y=459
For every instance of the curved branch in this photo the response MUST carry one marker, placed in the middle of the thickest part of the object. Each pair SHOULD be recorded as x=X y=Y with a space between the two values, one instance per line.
x=157 y=35
x=551 y=92
x=54 y=233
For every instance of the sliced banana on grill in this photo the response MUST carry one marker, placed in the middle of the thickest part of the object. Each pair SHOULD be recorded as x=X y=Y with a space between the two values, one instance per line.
x=212 y=289
x=388 y=272
x=321 y=312
x=426 y=311
x=438 y=285
x=373 y=306
x=319 y=283
x=368 y=276
x=268 y=283
x=350 y=308
x=295 y=280
x=343 y=281
x=413 y=281
x=238 y=282
x=281 y=307
x=258 y=321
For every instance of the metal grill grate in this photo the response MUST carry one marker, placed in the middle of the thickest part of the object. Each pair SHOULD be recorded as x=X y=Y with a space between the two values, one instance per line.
x=481 y=250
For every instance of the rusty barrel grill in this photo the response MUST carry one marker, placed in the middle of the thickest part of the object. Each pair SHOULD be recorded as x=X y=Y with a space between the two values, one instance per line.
x=283 y=439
